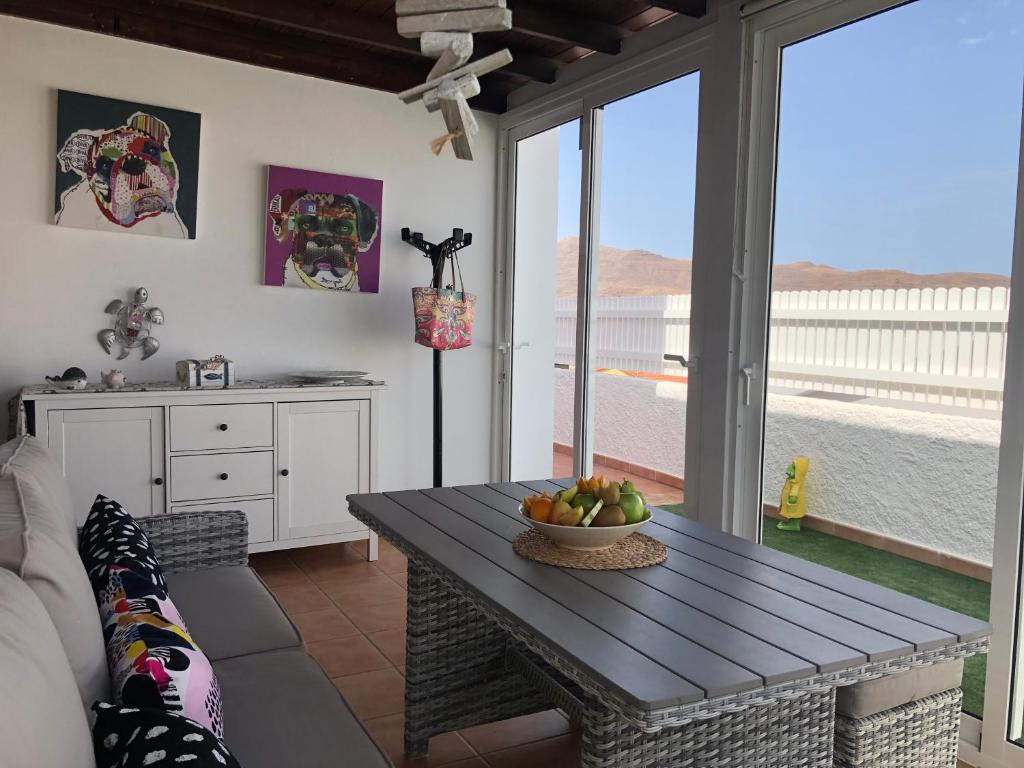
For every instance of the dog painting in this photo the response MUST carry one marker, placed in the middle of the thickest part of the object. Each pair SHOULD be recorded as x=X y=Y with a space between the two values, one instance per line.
x=322 y=231
x=126 y=167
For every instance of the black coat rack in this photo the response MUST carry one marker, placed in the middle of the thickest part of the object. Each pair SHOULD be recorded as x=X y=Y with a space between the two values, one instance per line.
x=438 y=254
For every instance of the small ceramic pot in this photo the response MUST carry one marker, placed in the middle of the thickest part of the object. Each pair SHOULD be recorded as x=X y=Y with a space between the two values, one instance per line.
x=114 y=379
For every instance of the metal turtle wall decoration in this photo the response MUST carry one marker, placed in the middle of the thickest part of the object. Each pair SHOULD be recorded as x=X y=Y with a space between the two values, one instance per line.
x=132 y=321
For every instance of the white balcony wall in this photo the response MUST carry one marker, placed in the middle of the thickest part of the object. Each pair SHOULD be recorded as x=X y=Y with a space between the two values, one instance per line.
x=924 y=477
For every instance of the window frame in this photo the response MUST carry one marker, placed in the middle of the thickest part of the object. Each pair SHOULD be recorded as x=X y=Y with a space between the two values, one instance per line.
x=769 y=27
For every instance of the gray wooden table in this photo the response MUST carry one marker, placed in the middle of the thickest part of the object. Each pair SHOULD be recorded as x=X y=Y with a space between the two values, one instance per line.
x=728 y=654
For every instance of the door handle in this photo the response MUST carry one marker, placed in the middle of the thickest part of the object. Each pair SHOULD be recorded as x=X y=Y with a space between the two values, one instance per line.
x=690 y=363
x=507 y=347
x=747 y=372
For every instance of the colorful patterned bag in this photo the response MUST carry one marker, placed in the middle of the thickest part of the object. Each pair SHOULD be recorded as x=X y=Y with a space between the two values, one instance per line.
x=444 y=316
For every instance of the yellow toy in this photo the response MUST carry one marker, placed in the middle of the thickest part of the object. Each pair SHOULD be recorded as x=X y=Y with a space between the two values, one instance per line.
x=793 y=501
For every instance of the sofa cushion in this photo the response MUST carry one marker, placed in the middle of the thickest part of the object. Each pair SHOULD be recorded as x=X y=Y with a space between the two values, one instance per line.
x=111 y=536
x=42 y=722
x=230 y=612
x=37 y=543
x=873 y=696
x=281 y=709
x=29 y=458
x=132 y=736
x=154 y=662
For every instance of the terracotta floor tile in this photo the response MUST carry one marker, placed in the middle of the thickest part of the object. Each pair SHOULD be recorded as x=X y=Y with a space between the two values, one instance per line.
x=325 y=624
x=341 y=569
x=374 y=694
x=276 y=559
x=401 y=579
x=282 y=575
x=401 y=670
x=391 y=643
x=346 y=591
x=519 y=730
x=360 y=547
x=347 y=656
x=444 y=749
x=392 y=562
x=559 y=751
x=472 y=762
x=301 y=598
x=375 y=617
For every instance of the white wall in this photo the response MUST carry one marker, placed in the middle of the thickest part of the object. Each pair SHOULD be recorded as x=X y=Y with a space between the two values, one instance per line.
x=55 y=281
x=928 y=478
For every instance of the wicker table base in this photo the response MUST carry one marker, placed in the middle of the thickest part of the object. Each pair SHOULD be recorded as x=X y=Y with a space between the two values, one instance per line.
x=469 y=662
x=464 y=669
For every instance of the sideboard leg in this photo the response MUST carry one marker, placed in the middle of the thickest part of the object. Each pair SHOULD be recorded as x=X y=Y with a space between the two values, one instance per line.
x=372 y=547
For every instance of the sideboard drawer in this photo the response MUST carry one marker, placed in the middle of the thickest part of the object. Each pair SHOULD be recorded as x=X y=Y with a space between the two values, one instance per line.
x=260 y=513
x=215 y=427
x=219 y=475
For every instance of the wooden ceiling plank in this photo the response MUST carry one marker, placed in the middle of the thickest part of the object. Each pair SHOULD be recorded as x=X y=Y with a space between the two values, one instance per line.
x=252 y=46
x=541 y=21
x=693 y=8
x=375 y=31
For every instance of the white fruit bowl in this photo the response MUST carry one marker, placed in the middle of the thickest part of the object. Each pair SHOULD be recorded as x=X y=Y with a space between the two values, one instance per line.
x=577 y=537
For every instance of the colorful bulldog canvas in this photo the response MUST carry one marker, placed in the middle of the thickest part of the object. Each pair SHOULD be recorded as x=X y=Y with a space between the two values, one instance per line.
x=323 y=230
x=126 y=167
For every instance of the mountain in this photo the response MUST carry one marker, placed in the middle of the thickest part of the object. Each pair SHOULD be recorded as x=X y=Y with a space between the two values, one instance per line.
x=635 y=272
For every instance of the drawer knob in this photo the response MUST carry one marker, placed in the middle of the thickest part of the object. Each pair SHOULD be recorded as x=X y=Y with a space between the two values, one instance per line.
x=158 y=481
x=223 y=427
x=223 y=475
x=284 y=473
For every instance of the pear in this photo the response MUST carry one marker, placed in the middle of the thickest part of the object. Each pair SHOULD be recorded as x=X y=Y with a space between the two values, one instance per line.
x=610 y=494
x=609 y=516
x=628 y=486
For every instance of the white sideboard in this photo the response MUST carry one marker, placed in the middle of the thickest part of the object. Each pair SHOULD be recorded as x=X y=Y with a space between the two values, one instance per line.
x=286 y=455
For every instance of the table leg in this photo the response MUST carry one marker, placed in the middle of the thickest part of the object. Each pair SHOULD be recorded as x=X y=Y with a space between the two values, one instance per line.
x=455 y=673
x=372 y=547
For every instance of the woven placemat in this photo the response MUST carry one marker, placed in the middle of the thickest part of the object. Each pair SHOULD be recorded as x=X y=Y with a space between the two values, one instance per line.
x=635 y=551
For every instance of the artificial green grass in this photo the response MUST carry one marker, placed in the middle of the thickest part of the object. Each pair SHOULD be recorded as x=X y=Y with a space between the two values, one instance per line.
x=936 y=585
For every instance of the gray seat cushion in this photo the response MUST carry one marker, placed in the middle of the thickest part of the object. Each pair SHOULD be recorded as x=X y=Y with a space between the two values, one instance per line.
x=229 y=612
x=874 y=696
x=280 y=709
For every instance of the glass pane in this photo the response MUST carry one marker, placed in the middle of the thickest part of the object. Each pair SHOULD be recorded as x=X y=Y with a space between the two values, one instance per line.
x=897 y=160
x=547 y=220
x=647 y=157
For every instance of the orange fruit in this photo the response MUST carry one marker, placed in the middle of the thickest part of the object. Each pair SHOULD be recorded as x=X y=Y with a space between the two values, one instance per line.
x=540 y=510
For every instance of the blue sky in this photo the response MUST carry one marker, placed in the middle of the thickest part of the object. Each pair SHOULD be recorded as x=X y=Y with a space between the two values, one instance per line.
x=898 y=146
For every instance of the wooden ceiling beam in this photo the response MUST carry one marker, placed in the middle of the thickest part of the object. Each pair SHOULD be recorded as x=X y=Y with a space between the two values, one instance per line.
x=538 y=20
x=374 y=31
x=160 y=25
x=695 y=9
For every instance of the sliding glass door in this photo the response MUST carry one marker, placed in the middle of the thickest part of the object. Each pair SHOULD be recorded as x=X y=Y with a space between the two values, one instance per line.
x=878 y=332
x=541 y=351
x=601 y=211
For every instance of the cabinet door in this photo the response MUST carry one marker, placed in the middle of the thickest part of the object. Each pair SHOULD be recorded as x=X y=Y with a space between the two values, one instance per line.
x=323 y=455
x=118 y=452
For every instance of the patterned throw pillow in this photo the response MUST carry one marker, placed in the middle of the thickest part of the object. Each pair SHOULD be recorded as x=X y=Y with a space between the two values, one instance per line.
x=153 y=660
x=151 y=737
x=111 y=536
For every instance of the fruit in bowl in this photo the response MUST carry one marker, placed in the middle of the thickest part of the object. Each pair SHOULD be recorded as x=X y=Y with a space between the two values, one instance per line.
x=592 y=514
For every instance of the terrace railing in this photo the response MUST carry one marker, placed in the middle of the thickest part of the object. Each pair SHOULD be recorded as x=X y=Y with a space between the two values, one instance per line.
x=933 y=346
